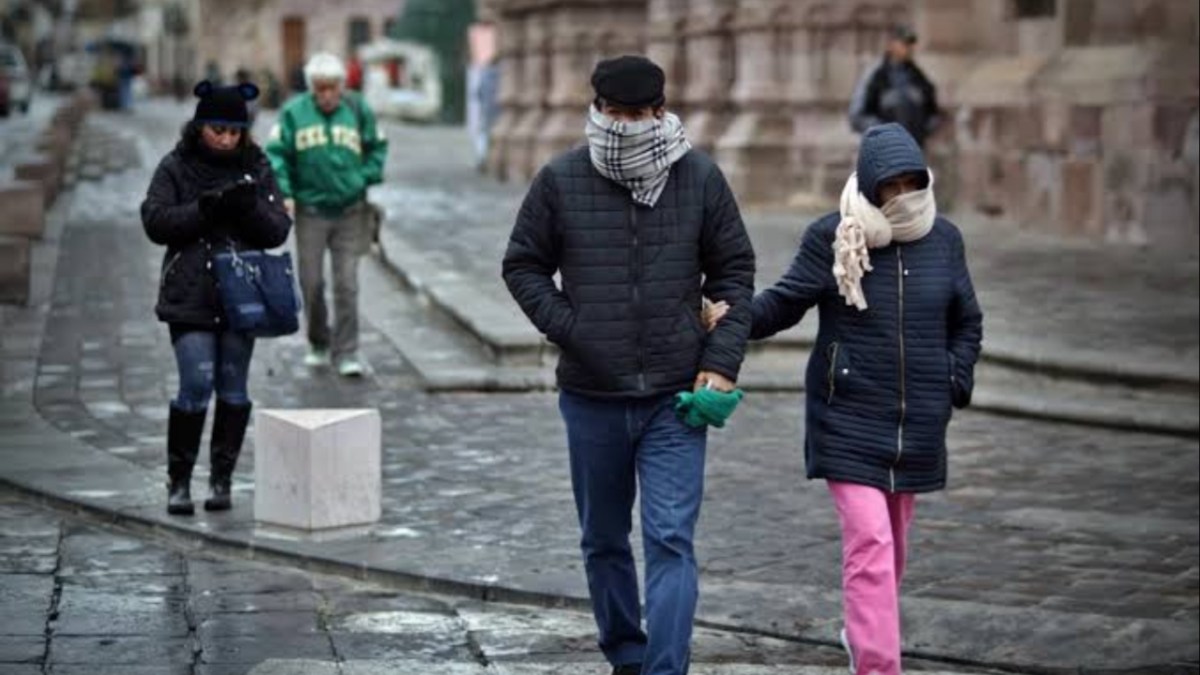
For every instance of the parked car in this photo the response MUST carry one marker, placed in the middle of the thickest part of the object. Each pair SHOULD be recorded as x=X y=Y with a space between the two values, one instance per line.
x=16 y=74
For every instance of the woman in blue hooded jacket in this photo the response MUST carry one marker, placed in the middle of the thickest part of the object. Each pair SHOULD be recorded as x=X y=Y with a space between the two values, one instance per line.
x=900 y=332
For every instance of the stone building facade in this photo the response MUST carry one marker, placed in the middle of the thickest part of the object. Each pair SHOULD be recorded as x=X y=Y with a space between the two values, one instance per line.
x=1062 y=114
x=278 y=36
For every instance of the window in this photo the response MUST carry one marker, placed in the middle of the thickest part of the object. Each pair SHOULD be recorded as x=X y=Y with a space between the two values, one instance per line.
x=359 y=33
x=1035 y=9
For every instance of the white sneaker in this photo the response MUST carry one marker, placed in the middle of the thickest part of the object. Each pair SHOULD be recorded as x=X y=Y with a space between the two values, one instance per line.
x=350 y=367
x=316 y=358
x=849 y=652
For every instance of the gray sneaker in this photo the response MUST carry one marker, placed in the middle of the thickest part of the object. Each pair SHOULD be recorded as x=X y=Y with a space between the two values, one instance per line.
x=849 y=652
x=317 y=358
x=350 y=366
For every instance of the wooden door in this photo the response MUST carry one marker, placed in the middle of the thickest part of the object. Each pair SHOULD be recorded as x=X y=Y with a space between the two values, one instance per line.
x=294 y=48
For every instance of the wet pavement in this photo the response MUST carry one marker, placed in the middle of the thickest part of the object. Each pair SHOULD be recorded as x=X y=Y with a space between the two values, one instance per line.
x=1056 y=546
x=82 y=598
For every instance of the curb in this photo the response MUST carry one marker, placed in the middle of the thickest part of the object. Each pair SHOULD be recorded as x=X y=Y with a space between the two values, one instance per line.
x=523 y=345
x=520 y=366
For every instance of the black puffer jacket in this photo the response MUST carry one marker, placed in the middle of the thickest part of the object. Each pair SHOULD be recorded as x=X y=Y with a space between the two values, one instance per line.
x=628 y=315
x=881 y=383
x=171 y=215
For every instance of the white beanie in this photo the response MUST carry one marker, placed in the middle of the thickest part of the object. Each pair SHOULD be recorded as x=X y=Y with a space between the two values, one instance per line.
x=324 y=66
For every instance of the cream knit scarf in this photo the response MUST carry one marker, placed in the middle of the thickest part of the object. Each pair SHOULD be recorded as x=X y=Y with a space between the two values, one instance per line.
x=864 y=226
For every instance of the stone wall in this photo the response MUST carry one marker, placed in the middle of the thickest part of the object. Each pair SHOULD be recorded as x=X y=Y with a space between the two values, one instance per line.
x=1070 y=120
x=1081 y=130
x=547 y=49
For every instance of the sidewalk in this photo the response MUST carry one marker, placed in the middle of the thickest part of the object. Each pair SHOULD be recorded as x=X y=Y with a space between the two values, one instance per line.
x=84 y=597
x=1056 y=548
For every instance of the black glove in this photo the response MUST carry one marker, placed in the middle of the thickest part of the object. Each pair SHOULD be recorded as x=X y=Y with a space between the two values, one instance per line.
x=229 y=202
x=210 y=204
x=239 y=200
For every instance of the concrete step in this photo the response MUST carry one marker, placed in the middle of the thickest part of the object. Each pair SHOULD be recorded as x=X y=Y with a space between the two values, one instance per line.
x=500 y=325
x=466 y=340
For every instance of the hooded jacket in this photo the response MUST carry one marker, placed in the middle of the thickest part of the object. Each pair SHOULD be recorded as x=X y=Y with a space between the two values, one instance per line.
x=881 y=383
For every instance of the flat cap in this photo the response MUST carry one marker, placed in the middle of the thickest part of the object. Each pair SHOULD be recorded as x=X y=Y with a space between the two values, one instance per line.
x=632 y=81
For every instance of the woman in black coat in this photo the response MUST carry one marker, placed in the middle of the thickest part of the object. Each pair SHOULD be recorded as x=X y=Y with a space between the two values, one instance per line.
x=214 y=191
x=900 y=332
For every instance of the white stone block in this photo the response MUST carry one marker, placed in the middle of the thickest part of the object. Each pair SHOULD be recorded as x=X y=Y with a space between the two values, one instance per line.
x=317 y=469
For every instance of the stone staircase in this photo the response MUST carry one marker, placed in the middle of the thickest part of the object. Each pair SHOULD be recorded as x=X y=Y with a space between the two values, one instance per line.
x=460 y=338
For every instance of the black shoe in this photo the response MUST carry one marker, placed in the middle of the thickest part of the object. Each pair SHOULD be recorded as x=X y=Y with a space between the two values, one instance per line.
x=628 y=669
x=183 y=444
x=229 y=430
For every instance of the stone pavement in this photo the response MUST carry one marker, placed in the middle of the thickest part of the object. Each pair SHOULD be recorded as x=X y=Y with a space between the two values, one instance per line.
x=1057 y=547
x=81 y=597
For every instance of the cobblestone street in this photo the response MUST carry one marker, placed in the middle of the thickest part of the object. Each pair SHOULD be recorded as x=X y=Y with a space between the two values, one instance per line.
x=81 y=598
x=1057 y=547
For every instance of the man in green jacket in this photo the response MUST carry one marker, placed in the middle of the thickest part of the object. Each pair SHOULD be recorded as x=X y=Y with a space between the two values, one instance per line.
x=326 y=151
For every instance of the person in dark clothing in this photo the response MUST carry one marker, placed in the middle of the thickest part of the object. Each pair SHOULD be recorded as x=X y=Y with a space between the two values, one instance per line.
x=900 y=333
x=640 y=227
x=896 y=90
x=213 y=192
x=243 y=76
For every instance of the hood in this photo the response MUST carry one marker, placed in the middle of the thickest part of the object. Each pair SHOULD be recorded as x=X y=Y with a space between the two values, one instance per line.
x=887 y=150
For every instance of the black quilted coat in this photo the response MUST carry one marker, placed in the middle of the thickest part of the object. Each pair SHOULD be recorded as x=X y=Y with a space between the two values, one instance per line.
x=171 y=216
x=627 y=317
x=881 y=383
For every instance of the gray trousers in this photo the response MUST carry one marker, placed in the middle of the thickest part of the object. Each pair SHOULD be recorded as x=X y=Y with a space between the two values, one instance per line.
x=344 y=237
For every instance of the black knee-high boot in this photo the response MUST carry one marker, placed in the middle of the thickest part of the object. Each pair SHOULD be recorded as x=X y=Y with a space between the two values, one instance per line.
x=183 y=444
x=229 y=430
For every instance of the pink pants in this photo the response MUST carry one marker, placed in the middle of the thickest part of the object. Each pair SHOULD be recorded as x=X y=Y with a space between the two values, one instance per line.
x=874 y=546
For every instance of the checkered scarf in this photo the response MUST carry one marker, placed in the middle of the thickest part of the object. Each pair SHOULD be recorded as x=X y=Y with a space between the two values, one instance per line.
x=636 y=155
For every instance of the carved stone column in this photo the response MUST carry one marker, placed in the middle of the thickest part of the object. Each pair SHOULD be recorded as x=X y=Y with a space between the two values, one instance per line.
x=534 y=81
x=833 y=44
x=709 y=59
x=755 y=146
x=582 y=32
x=510 y=48
x=665 y=46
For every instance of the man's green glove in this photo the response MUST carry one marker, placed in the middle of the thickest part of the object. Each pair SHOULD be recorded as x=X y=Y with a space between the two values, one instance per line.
x=707 y=407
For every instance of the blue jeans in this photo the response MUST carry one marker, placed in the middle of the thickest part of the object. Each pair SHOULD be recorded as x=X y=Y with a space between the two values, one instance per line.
x=211 y=362
x=613 y=444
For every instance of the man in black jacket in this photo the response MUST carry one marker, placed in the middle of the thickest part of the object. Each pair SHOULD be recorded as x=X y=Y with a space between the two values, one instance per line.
x=896 y=90
x=640 y=227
